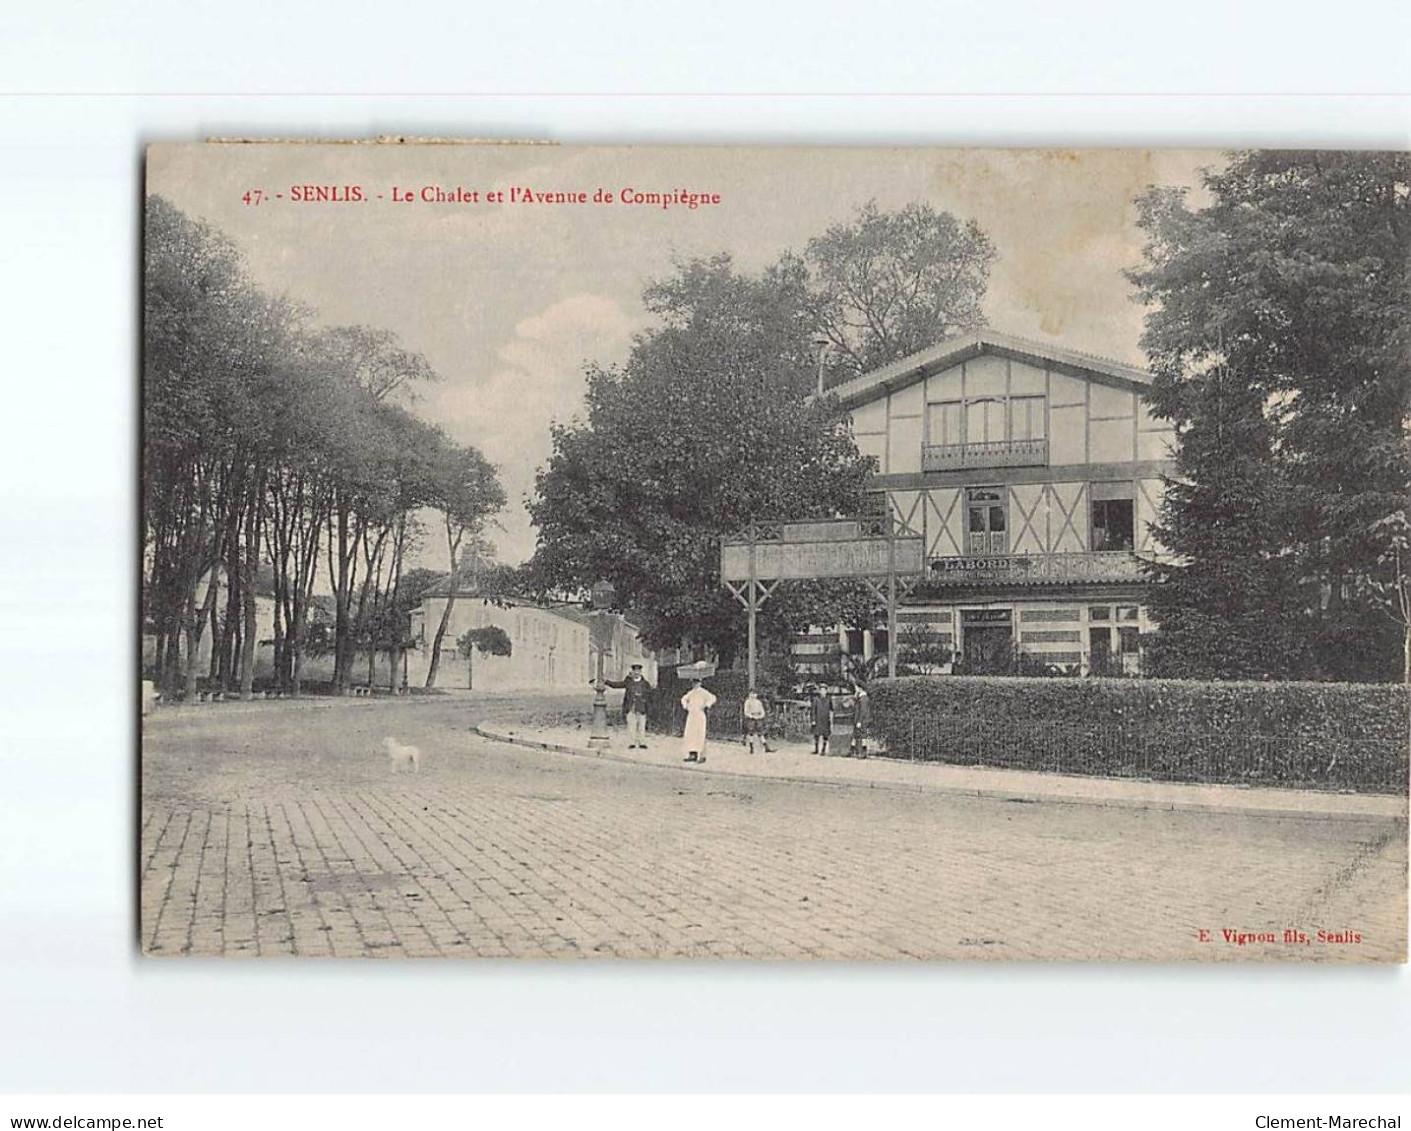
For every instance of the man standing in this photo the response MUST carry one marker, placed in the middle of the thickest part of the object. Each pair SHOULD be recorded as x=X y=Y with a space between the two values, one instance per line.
x=636 y=691
x=822 y=706
x=861 y=720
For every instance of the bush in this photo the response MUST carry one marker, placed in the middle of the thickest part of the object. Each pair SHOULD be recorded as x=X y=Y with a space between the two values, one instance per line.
x=1324 y=735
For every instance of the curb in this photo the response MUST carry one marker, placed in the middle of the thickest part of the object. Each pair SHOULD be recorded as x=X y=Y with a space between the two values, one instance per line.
x=1013 y=795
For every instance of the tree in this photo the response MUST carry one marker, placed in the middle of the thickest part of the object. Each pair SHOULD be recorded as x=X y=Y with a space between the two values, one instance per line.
x=1389 y=586
x=267 y=440
x=1229 y=605
x=886 y=284
x=705 y=427
x=385 y=471
x=492 y=640
x=466 y=492
x=213 y=348
x=920 y=651
x=391 y=625
x=1278 y=340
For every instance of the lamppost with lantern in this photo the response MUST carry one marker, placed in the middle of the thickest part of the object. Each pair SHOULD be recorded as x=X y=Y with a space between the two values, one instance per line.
x=821 y=345
x=601 y=599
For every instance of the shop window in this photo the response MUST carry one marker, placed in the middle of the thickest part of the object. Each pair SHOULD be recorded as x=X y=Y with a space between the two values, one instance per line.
x=1129 y=639
x=1099 y=612
x=1099 y=649
x=1113 y=524
x=1127 y=612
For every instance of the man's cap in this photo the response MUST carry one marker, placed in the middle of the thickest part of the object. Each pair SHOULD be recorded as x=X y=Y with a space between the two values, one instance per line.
x=636 y=667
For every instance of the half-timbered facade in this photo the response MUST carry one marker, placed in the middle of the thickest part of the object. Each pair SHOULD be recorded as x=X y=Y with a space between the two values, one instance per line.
x=1034 y=474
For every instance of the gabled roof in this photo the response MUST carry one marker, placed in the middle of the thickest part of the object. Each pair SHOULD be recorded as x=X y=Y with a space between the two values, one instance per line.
x=952 y=351
x=442 y=588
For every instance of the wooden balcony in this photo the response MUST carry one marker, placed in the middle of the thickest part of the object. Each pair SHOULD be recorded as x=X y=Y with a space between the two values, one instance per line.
x=996 y=453
x=1036 y=569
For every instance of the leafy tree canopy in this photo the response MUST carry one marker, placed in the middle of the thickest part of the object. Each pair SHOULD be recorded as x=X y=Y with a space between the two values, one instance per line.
x=1278 y=340
x=705 y=427
x=886 y=284
x=492 y=640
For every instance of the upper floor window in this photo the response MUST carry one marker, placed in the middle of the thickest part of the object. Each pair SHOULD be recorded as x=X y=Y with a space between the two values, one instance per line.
x=984 y=421
x=943 y=423
x=987 y=515
x=1026 y=418
x=984 y=432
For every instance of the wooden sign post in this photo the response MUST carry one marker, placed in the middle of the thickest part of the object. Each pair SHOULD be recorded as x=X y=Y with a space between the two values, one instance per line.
x=878 y=550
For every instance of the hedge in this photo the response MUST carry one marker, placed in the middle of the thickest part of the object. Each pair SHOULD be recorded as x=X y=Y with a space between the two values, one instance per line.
x=665 y=714
x=1320 y=735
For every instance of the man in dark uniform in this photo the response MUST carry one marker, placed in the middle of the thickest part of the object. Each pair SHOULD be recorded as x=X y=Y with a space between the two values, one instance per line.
x=821 y=707
x=861 y=720
x=636 y=691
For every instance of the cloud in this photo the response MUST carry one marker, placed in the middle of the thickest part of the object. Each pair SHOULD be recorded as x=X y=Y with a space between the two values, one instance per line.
x=537 y=379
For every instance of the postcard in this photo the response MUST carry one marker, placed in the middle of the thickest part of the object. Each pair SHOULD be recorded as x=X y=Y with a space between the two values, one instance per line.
x=774 y=553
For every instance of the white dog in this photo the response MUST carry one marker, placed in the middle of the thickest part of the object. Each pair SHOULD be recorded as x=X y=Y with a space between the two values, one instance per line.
x=399 y=754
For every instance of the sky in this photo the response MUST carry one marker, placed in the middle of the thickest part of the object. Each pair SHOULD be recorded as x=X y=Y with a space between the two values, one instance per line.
x=509 y=301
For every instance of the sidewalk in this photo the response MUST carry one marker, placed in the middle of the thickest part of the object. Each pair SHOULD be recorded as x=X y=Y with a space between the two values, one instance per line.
x=793 y=761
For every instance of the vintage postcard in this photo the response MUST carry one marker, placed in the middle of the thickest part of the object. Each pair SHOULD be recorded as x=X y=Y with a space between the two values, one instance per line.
x=774 y=553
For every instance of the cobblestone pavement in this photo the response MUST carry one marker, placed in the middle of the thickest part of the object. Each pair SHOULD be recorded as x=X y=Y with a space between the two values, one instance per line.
x=278 y=829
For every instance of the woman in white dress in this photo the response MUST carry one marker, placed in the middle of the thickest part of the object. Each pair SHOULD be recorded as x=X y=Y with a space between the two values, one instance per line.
x=697 y=702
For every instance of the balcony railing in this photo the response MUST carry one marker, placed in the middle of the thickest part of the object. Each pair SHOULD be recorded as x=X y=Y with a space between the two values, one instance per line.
x=995 y=453
x=1037 y=569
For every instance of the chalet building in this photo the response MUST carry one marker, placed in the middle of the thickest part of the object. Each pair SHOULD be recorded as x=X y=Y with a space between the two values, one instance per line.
x=1033 y=474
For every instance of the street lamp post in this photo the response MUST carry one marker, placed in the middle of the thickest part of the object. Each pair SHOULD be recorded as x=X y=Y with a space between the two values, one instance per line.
x=603 y=593
x=821 y=343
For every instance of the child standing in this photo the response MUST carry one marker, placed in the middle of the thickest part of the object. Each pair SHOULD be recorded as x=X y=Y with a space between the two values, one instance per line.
x=754 y=722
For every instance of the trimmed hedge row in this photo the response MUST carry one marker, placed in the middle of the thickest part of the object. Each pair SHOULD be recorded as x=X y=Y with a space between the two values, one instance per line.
x=1323 y=735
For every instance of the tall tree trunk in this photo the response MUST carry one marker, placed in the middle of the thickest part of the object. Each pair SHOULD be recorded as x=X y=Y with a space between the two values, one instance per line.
x=216 y=663
x=176 y=626
x=434 y=669
x=394 y=631
x=372 y=574
x=453 y=543
x=196 y=623
x=295 y=644
x=193 y=641
x=248 y=644
x=342 y=599
x=170 y=661
x=296 y=665
x=235 y=586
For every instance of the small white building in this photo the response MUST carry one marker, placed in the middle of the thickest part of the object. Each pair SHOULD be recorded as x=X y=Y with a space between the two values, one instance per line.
x=264 y=621
x=551 y=647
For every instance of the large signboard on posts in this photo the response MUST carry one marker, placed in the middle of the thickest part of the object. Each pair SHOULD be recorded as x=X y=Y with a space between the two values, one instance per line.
x=797 y=551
